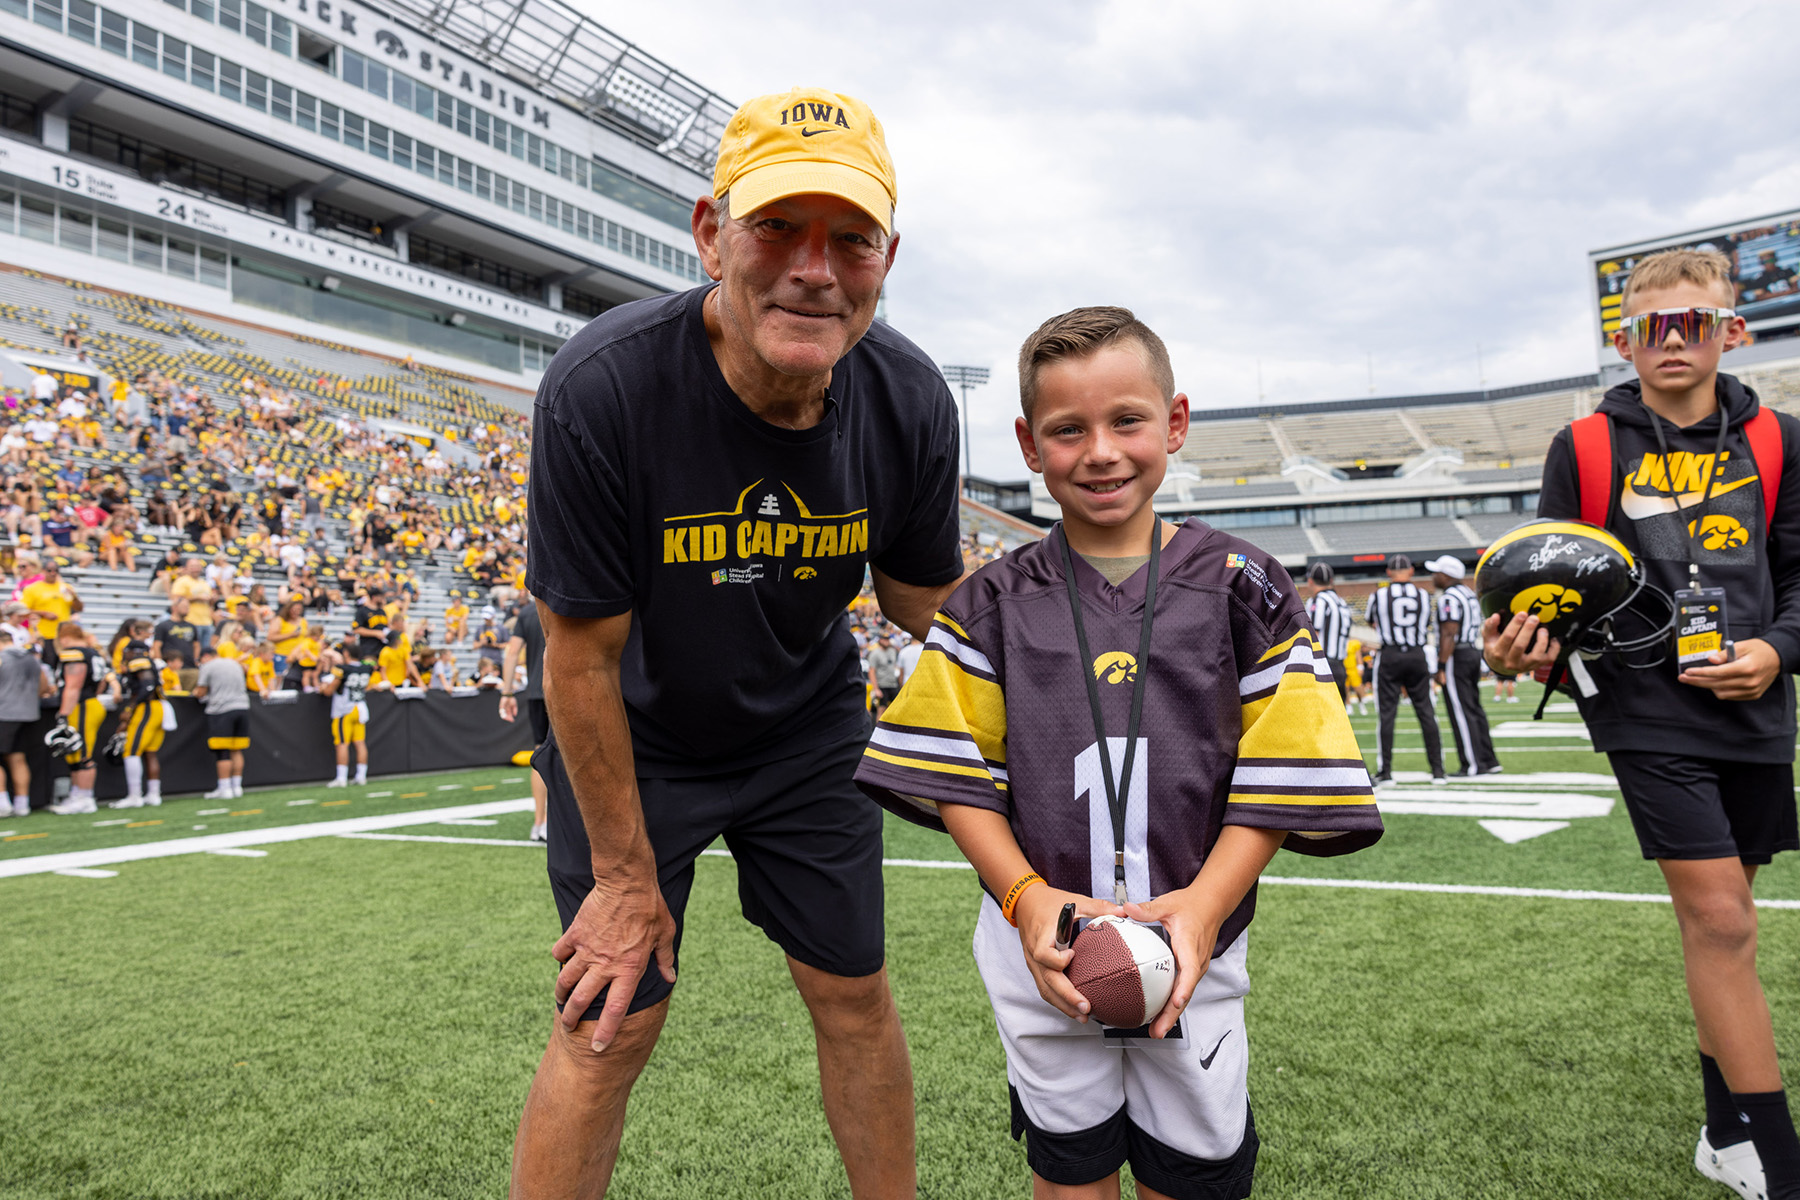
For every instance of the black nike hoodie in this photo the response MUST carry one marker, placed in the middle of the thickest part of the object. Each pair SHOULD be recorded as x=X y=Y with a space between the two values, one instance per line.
x=1648 y=710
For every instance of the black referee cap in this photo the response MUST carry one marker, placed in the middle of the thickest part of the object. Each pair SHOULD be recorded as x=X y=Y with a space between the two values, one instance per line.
x=1399 y=562
x=1321 y=574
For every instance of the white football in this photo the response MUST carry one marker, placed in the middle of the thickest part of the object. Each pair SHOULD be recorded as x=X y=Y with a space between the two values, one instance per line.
x=1125 y=971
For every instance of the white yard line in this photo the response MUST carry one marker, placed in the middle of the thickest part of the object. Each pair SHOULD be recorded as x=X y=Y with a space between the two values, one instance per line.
x=171 y=847
x=440 y=839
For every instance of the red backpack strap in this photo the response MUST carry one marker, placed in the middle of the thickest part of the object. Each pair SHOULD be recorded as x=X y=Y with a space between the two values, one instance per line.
x=1592 y=437
x=1764 y=432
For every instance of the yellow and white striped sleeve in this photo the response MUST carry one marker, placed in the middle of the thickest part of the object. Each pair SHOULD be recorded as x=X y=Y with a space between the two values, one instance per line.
x=943 y=740
x=1299 y=767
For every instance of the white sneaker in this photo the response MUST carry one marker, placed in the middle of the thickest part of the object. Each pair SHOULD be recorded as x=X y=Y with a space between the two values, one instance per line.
x=128 y=802
x=22 y=806
x=1738 y=1167
x=73 y=808
x=338 y=783
x=1512 y=699
x=540 y=833
x=153 y=801
x=1439 y=780
x=222 y=792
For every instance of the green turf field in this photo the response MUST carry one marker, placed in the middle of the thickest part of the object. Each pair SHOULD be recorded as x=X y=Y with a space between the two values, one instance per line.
x=359 y=1017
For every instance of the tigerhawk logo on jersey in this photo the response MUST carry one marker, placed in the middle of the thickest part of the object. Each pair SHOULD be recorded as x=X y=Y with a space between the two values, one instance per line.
x=1116 y=667
x=710 y=537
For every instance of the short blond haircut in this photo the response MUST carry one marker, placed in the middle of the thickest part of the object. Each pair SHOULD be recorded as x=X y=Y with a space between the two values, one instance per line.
x=1084 y=332
x=1666 y=268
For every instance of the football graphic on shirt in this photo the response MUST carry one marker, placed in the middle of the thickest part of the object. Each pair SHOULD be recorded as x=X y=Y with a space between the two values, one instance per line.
x=1124 y=970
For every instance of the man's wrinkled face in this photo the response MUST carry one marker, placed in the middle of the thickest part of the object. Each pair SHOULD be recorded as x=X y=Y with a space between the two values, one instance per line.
x=799 y=278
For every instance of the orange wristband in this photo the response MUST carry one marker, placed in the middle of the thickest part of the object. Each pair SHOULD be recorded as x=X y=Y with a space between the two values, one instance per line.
x=1013 y=893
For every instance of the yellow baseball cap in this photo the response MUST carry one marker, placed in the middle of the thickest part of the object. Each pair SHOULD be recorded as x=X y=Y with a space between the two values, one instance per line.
x=808 y=141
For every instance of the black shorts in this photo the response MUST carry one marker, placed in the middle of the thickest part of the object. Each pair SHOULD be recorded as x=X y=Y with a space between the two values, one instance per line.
x=228 y=730
x=539 y=715
x=12 y=740
x=1073 y=1159
x=806 y=840
x=1693 y=808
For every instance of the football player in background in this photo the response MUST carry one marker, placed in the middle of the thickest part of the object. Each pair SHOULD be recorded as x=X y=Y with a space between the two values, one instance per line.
x=81 y=675
x=141 y=722
x=348 y=685
x=1003 y=750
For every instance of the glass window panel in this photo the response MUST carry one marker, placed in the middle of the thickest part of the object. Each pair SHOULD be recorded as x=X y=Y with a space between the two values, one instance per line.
x=81 y=20
x=49 y=13
x=37 y=219
x=214 y=267
x=465 y=174
x=76 y=230
x=256 y=90
x=401 y=88
x=306 y=110
x=114 y=239
x=113 y=30
x=181 y=258
x=143 y=45
x=484 y=183
x=146 y=248
x=174 y=58
x=231 y=80
x=17 y=8
x=281 y=101
x=231 y=15
x=377 y=79
x=353 y=67
x=465 y=118
x=201 y=68
x=256 y=23
x=446 y=110
x=353 y=131
x=378 y=140
x=202 y=9
x=8 y=213
x=281 y=35
x=424 y=159
x=328 y=120
x=402 y=149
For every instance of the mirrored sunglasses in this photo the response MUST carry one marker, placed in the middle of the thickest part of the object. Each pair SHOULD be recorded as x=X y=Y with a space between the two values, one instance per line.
x=1692 y=325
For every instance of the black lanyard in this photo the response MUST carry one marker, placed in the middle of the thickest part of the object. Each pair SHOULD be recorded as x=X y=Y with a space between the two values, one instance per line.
x=1117 y=792
x=1691 y=528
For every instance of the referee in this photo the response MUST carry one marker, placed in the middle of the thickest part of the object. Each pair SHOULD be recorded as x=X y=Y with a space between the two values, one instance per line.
x=1459 y=665
x=1401 y=614
x=1330 y=616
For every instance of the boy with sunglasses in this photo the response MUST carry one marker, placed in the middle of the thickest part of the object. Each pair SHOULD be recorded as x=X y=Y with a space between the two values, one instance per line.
x=1702 y=484
x=1126 y=718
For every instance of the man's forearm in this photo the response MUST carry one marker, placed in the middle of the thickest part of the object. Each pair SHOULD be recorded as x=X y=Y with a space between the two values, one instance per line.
x=587 y=709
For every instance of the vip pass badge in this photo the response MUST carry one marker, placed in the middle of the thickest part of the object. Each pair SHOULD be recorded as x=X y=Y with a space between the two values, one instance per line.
x=1118 y=789
x=1701 y=626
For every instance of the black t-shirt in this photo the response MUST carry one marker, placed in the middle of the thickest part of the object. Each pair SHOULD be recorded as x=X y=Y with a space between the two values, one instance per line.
x=369 y=618
x=176 y=636
x=530 y=630
x=736 y=544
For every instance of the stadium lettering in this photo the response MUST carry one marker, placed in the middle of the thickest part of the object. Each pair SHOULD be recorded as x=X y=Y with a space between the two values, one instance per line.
x=346 y=21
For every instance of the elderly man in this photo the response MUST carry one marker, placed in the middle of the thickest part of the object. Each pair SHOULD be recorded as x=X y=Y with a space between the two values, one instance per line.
x=712 y=472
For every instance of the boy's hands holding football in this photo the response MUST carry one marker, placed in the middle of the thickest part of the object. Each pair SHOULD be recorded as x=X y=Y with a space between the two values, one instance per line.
x=1037 y=912
x=1192 y=921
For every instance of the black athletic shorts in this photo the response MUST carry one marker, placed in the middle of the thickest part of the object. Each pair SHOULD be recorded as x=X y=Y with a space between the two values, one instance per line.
x=10 y=740
x=228 y=730
x=1073 y=1159
x=1692 y=808
x=806 y=840
x=539 y=715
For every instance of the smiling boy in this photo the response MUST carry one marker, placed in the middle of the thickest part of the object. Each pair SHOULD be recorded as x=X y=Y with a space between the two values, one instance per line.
x=1130 y=717
x=1702 y=485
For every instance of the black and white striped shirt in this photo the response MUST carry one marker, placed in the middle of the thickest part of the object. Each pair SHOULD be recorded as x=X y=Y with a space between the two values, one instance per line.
x=1330 y=615
x=1401 y=614
x=1458 y=603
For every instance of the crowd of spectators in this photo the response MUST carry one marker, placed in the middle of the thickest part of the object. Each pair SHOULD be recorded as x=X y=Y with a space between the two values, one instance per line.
x=283 y=509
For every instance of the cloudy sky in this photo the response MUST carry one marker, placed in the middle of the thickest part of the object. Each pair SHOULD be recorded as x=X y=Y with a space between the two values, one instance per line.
x=1303 y=192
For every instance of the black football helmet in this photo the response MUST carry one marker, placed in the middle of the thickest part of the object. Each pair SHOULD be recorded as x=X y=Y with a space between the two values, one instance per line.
x=1583 y=586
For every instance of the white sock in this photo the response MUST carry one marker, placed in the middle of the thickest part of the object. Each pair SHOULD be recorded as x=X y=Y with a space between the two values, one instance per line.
x=237 y=785
x=343 y=772
x=155 y=788
x=134 y=776
x=362 y=772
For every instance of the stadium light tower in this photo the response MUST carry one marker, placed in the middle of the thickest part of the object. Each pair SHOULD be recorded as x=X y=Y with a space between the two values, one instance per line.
x=966 y=378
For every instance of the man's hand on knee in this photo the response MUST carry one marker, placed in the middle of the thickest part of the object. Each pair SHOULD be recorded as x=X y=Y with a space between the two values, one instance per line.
x=620 y=926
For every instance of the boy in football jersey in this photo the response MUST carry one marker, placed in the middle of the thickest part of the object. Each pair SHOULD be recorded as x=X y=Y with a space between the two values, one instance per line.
x=1064 y=726
x=142 y=722
x=1701 y=482
x=81 y=675
x=347 y=685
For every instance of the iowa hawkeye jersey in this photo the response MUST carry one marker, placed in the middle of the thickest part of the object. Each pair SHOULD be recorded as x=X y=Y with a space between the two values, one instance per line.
x=1241 y=723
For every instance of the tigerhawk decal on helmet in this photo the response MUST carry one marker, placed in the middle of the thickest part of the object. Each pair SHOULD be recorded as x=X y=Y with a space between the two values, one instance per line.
x=1582 y=584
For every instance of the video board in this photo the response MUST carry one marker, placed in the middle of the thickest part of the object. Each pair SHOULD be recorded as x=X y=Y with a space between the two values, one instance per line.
x=1765 y=259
